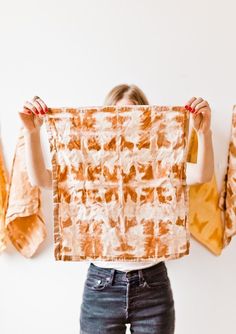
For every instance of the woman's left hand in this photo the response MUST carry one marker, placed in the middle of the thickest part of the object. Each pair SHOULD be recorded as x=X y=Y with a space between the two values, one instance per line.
x=201 y=113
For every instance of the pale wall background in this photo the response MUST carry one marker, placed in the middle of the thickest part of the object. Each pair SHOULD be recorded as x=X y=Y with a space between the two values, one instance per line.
x=71 y=53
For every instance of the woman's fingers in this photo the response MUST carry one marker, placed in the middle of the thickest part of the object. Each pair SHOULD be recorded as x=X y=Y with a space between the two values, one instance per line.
x=26 y=111
x=38 y=107
x=42 y=104
x=191 y=101
x=195 y=103
x=34 y=107
x=31 y=109
x=188 y=104
x=201 y=104
x=28 y=105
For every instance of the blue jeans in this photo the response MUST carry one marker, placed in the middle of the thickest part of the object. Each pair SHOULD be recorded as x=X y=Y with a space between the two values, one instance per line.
x=113 y=298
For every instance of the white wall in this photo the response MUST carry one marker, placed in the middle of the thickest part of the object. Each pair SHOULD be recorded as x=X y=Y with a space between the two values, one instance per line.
x=71 y=53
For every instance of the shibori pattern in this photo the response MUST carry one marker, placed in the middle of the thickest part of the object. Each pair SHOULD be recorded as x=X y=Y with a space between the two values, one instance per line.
x=119 y=182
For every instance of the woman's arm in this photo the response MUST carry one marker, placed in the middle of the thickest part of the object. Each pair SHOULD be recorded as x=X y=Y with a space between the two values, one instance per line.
x=202 y=171
x=38 y=173
x=31 y=117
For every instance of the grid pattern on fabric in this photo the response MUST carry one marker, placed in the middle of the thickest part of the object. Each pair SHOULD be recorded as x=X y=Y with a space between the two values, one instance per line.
x=119 y=182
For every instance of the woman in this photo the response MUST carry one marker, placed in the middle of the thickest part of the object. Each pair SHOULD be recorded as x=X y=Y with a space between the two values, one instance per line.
x=116 y=293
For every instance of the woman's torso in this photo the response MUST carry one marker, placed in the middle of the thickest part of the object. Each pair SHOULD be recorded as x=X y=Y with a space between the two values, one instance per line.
x=125 y=265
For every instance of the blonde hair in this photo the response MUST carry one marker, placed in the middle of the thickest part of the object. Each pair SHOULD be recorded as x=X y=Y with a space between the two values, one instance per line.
x=132 y=92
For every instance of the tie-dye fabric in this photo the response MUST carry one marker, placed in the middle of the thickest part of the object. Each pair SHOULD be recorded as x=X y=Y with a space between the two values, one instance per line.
x=119 y=182
x=24 y=219
x=4 y=184
x=227 y=201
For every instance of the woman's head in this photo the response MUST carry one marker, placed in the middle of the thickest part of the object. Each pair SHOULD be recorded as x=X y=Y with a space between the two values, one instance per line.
x=126 y=95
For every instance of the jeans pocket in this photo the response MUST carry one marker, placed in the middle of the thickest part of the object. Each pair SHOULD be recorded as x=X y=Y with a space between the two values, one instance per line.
x=95 y=282
x=157 y=279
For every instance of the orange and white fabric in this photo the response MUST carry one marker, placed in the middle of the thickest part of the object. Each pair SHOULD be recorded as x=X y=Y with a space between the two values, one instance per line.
x=24 y=222
x=3 y=198
x=227 y=201
x=119 y=182
x=205 y=219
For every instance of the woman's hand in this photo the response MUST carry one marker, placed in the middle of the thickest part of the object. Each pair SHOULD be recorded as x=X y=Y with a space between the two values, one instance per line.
x=201 y=113
x=32 y=114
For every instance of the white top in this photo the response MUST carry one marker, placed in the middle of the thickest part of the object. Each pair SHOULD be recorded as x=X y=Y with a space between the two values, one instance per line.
x=125 y=265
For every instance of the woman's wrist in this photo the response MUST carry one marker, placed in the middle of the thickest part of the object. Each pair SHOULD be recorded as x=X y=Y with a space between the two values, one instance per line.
x=205 y=133
x=32 y=132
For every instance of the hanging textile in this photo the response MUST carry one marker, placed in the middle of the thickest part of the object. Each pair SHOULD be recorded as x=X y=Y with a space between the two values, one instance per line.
x=3 y=198
x=119 y=182
x=205 y=220
x=227 y=201
x=24 y=222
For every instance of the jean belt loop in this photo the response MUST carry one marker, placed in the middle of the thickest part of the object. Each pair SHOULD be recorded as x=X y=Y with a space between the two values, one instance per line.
x=112 y=274
x=141 y=277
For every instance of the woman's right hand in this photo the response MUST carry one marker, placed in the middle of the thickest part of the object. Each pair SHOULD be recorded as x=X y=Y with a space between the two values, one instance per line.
x=32 y=114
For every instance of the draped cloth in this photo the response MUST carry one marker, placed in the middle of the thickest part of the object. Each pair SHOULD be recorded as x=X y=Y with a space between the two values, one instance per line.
x=4 y=184
x=24 y=221
x=205 y=219
x=119 y=182
x=227 y=201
